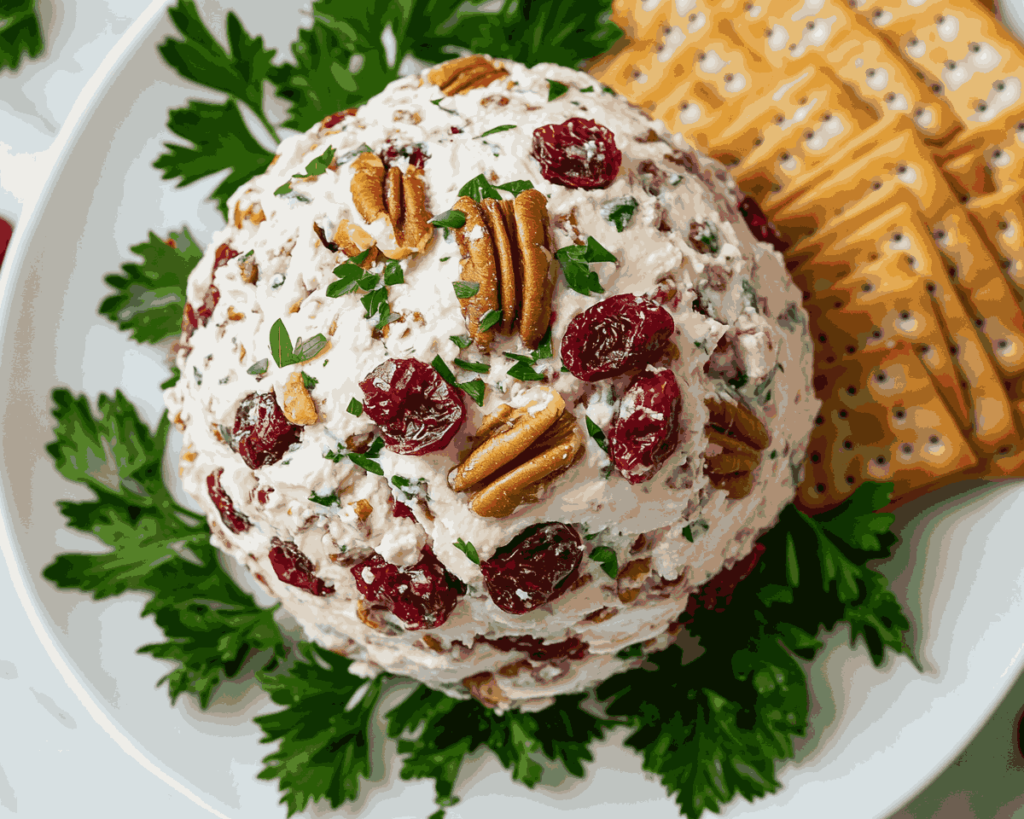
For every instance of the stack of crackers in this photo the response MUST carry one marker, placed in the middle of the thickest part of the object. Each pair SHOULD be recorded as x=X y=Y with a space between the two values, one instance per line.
x=885 y=139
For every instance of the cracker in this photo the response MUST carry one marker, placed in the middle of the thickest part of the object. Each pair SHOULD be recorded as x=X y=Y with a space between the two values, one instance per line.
x=882 y=420
x=828 y=34
x=961 y=48
x=1000 y=218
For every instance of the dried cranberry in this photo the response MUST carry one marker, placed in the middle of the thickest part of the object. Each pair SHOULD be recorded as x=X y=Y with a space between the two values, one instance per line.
x=233 y=519
x=763 y=230
x=263 y=494
x=209 y=302
x=645 y=430
x=224 y=254
x=261 y=432
x=716 y=593
x=333 y=119
x=295 y=569
x=421 y=596
x=414 y=153
x=579 y=153
x=536 y=567
x=572 y=649
x=417 y=412
x=403 y=511
x=617 y=334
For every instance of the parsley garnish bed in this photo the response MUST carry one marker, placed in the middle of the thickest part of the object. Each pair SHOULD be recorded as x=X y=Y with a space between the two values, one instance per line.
x=20 y=33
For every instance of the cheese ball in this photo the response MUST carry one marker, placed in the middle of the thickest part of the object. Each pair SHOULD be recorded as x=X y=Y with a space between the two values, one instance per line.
x=484 y=378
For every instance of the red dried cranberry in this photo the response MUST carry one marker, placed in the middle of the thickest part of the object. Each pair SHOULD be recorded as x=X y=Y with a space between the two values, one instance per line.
x=763 y=230
x=263 y=494
x=403 y=511
x=417 y=412
x=209 y=302
x=572 y=649
x=233 y=519
x=716 y=593
x=261 y=432
x=421 y=596
x=579 y=153
x=333 y=119
x=295 y=569
x=617 y=334
x=414 y=153
x=224 y=254
x=536 y=567
x=645 y=430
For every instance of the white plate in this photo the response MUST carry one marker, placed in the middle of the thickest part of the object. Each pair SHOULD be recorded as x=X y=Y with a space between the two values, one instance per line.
x=876 y=737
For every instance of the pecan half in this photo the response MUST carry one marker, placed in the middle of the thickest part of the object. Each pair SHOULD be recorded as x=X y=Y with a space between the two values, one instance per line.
x=460 y=75
x=353 y=240
x=520 y=449
x=506 y=251
x=737 y=440
x=394 y=203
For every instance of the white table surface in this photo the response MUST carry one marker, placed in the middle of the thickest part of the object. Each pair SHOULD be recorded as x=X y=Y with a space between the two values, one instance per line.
x=44 y=728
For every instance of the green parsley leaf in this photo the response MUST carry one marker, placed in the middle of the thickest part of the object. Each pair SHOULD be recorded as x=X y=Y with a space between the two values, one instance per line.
x=466 y=290
x=319 y=165
x=219 y=139
x=544 y=348
x=472 y=366
x=598 y=253
x=309 y=348
x=475 y=389
x=323 y=500
x=349 y=276
x=688 y=533
x=284 y=189
x=368 y=460
x=259 y=367
x=323 y=728
x=449 y=219
x=20 y=33
x=308 y=381
x=149 y=297
x=556 y=89
x=524 y=372
x=608 y=559
x=489 y=319
x=516 y=187
x=355 y=408
x=479 y=188
x=212 y=627
x=597 y=434
x=375 y=302
x=462 y=342
x=620 y=211
x=281 y=346
x=576 y=261
x=496 y=130
x=443 y=370
x=587 y=90
x=393 y=274
x=468 y=549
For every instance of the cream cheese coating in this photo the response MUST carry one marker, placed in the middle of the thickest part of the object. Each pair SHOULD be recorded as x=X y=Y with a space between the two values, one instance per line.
x=740 y=335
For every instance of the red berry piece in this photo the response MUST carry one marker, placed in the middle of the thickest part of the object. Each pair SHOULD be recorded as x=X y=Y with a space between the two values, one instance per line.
x=716 y=593
x=536 y=567
x=645 y=431
x=403 y=511
x=295 y=569
x=261 y=432
x=572 y=649
x=334 y=119
x=233 y=519
x=414 y=153
x=417 y=412
x=617 y=334
x=763 y=230
x=224 y=254
x=579 y=153
x=421 y=596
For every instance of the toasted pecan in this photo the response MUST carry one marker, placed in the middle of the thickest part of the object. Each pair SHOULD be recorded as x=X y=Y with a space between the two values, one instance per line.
x=460 y=75
x=737 y=440
x=520 y=451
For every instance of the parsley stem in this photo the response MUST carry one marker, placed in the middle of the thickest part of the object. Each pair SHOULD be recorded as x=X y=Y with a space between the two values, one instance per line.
x=267 y=124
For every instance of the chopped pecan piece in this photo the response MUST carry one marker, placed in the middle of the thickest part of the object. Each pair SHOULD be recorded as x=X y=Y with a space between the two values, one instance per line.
x=519 y=450
x=737 y=442
x=486 y=690
x=394 y=203
x=506 y=251
x=353 y=240
x=460 y=75
x=298 y=405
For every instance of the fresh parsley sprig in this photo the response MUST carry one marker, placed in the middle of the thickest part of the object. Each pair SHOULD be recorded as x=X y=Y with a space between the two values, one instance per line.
x=149 y=297
x=212 y=627
x=576 y=261
x=20 y=33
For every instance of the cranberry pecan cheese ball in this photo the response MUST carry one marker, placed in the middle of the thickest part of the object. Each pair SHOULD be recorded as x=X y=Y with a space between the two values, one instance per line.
x=482 y=379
